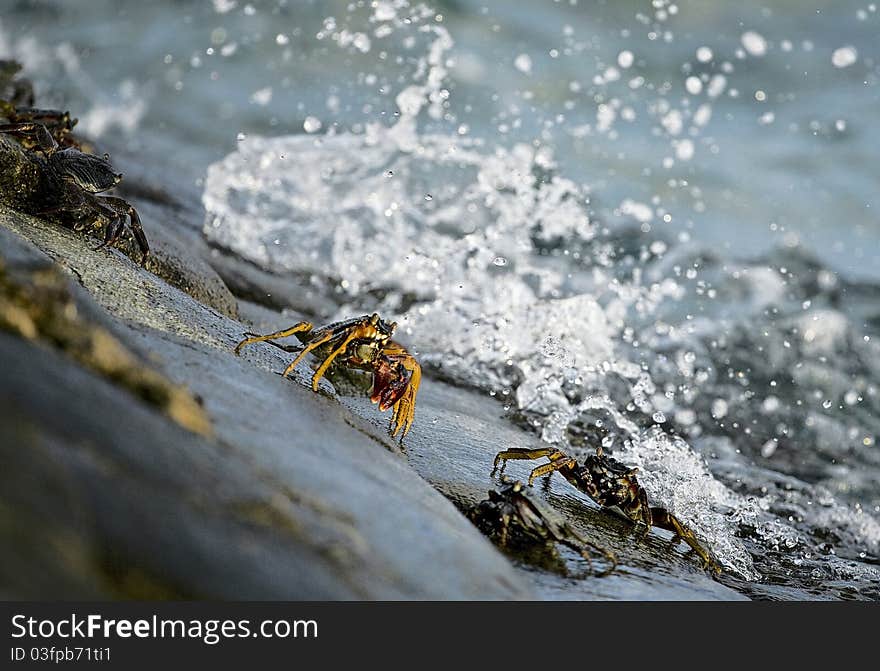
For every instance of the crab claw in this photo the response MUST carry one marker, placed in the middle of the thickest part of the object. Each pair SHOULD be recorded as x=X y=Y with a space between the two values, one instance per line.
x=383 y=375
x=393 y=393
x=390 y=381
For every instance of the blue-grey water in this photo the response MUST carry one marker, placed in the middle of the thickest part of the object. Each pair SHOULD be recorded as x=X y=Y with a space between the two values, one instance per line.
x=650 y=224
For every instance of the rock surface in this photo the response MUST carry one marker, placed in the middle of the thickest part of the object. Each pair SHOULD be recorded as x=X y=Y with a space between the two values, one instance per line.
x=293 y=497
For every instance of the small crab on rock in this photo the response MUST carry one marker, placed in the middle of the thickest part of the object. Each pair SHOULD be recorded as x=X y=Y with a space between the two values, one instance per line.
x=612 y=485
x=41 y=177
x=362 y=343
x=513 y=515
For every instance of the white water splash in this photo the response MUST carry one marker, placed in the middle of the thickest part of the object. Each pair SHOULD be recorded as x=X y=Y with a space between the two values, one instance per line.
x=460 y=231
x=123 y=109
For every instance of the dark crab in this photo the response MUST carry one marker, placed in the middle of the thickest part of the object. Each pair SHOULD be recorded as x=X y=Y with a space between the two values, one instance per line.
x=513 y=515
x=17 y=106
x=363 y=343
x=613 y=485
x=42 y=178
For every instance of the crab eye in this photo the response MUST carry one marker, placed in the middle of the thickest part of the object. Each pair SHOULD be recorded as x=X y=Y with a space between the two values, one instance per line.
x=374 y=319
x=392 y=326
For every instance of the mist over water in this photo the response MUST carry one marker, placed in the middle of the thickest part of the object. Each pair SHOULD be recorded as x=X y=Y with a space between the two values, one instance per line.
x=647 y=225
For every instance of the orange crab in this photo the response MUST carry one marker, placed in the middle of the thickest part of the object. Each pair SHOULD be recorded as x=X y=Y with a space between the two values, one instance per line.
x=364 y=343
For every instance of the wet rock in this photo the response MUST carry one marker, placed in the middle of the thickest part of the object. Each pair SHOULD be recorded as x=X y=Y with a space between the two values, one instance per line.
x=102 y=498
x=39 y=302
x=278 y=292
x=175 y=257
x=293 y=497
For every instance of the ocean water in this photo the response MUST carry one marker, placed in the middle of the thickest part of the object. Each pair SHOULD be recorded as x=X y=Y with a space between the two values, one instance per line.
x=647 y=225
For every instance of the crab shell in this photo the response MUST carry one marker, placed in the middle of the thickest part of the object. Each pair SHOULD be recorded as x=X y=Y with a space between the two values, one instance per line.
x=91 y=173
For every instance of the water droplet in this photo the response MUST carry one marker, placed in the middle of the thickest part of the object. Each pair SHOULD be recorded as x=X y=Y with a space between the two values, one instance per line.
x=826 y=404
x=429 y=197
x=241 y=136
x=523 y=63
x=311 y=124
x=716 y=85
x=844 y=57
x=262 y=97
x=684 y=151
x=500 y=261
x=659 y=417
x=754 y=43
x=693 y=85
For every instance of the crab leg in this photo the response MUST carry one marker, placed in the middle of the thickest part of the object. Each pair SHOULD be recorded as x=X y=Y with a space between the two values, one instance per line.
x=114 y=231
x=505 y=525
x=308 y=348
x=666 y=520
x=114 y=227
x=55 y=118
x=124 y=208
x=354 y=335
x=521 y=453
x=38 y=131
x=584 y=551
x=647 y=510
x=405 y=408
x=298 y=328
x=57 y=123
x=402 y=415
x=558 y=462
x=323 y=337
